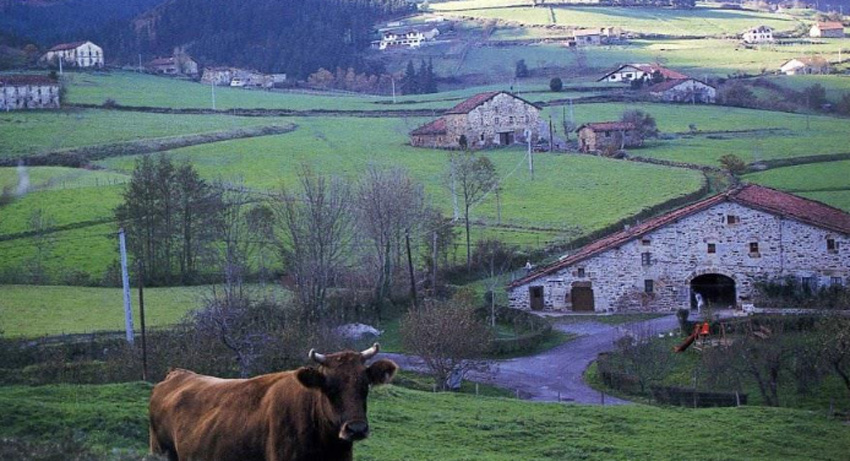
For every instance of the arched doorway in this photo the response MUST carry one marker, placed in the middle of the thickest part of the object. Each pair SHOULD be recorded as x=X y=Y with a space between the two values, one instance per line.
x=717 y=290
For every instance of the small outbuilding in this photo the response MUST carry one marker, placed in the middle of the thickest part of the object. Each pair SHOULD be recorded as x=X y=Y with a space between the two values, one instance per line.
x=608 y=136
x=830 y=29
x=805 y=66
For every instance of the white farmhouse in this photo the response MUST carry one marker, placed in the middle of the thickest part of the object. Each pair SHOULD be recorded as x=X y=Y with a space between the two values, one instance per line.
x=78 y=54
x=718 y=247
x=407 y=38
x=628 y=72
x=20 y=92
x=759 y=34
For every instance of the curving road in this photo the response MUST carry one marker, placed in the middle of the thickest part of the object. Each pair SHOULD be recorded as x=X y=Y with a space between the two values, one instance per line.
x=557 y=373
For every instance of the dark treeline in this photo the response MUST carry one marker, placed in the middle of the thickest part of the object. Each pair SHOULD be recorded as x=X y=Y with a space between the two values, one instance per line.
x=295 y=36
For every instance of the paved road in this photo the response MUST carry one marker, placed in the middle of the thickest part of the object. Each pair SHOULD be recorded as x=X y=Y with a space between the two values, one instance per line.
x=558 y=371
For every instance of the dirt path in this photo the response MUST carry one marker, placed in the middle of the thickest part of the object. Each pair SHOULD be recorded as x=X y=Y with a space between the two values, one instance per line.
x=557 y=373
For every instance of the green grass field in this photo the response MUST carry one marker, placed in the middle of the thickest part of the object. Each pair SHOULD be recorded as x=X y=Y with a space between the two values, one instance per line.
x=27 y=310
x=826 y=182
x=23 y=133
x=44 y=178
x=705 y=22
x=836 y=86
x=408 y=424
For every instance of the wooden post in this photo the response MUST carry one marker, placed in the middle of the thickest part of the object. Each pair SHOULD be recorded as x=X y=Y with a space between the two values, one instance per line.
x=125 y=279
x=410 y=267
x=142 y=317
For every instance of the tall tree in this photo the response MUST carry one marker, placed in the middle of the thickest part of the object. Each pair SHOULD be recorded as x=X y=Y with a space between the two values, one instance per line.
x=410 y=83
x=317 y=223
x=470 y=177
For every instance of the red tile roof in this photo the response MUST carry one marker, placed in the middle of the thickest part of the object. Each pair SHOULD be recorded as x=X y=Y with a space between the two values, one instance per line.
x=162 y=62
x=437 y=126
x=830 y=25
x=467 y=106
x=67 y=46
x=608 y=126
x=754 y=196
x=20 y=80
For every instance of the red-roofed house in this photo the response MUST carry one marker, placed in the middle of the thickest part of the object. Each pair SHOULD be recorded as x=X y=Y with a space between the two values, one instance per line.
x=495 y=118
x=718 y=247
x=827 y=30
x=628 y=72
x=805 y=65
x=180 y=64
x=78 y=54
x=687 y=90
x=606 y=136
x=18 y=92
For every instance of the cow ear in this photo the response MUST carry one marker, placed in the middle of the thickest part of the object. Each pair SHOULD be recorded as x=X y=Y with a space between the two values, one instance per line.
x=382 y=371
x=310 y=378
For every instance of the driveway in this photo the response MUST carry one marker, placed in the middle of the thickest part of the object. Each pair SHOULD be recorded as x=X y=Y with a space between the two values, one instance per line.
x=557 y=373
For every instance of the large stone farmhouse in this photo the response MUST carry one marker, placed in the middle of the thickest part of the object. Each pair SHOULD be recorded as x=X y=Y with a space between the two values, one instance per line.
x=628 y=72
x=718 y=247
x=19 y=92
x=496 y=118
x=687 y=90
x=607 y=136
x=77 y=54
x=827 y=30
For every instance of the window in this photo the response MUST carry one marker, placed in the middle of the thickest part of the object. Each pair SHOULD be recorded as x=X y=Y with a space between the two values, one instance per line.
x=511 y=119
x=831 y=245
x=646 y=259
x=754 y=247
x=645 y=242
x=481 y=137
x=526 y=119
x=732 y=219
x=496 y=120
x=810 y=284
x=580 y=272
x=712 y=248
x=836 y=281
x=648 y=286
x=607 y=134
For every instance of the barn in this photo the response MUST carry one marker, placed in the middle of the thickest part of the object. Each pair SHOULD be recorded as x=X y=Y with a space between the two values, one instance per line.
x=495 y=118
x=718 y=247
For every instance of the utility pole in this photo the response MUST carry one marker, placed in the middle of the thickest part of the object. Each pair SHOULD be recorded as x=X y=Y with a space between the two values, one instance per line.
x=530 y=159
x=212 y=87
x=61 y=58
x=141 y=270
x=392 y=79
x=140 y=63
x=125 y=280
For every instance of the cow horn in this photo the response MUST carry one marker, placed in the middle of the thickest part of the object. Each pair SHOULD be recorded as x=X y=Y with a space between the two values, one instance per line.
x=317 y=357
x=369 y=353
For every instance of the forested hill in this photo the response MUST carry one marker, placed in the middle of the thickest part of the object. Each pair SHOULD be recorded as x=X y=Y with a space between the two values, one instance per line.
x=292 y=36
x=47 y=22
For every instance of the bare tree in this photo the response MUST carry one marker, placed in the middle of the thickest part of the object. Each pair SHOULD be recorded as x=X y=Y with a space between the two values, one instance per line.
x=261 y=226
x=496 y=258
x=40 y=224
x=438 y=236
x=471 y=177
x=449 y=337
x=389 y=204
x=642 y=357
x=237 y=248
x=317 y=223
x=834 y=341
x=762 y=353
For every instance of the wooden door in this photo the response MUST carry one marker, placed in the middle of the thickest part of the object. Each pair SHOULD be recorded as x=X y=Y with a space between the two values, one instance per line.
x=582 y=299
x=536 y=295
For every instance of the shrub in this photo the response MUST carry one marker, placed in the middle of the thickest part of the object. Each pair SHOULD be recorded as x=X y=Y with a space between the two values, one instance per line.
x=556 y=84
x=733 y=164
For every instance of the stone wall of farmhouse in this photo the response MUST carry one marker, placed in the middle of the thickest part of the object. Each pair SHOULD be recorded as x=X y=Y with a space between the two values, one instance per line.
x=29 y=97
x=678 y=252
x=502 y=114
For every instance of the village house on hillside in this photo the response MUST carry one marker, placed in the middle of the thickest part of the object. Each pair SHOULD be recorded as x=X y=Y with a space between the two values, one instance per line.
x=685 y=90
x=718 y=248
x=21 y=92
x=174 y=65
x=410 y=37
x=629 y=72
x=827 y=30
x=597 y=36
x=759 y=34
x=805 y=66
x=607 y=136
x=495 y=118
x=77 y=54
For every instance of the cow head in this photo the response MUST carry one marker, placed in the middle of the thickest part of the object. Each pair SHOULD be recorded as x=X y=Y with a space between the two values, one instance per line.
x=344 y=379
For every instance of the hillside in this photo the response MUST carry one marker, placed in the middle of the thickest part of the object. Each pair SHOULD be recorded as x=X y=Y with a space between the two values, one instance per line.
x=295 y=37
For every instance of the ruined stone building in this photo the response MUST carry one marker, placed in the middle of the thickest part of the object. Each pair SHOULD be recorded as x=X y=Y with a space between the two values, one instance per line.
x=496 y=118
x=718 y=247
x=607 y=136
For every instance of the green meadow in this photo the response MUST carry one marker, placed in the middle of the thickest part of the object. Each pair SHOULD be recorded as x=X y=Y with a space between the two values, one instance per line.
x=836 y=86
x=811 y=177
x=26 y=133
x=408 y=424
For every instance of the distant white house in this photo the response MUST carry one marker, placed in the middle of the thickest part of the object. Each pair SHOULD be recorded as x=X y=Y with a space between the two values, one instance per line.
x=758 y=34
x=828 y=29
x=628 y=72
x=587 y=37
x=77 y=54
x=805 y=66
x=406 y=38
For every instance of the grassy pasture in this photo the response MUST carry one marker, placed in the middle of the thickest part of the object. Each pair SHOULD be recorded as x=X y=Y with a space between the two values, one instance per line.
x=835 y=85
x=63 y=205
x=806 y=178
x=32 y=310
x=700 y=21
x=410 y=424
x=838 y=199
x=24 y=132
x=58 y=178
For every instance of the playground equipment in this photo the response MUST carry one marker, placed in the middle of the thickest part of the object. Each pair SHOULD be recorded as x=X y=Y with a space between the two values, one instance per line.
x=700 y=331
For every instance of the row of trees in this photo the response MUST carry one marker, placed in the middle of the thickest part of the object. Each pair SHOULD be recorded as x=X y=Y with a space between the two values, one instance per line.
x=323 y=232
x=422 y=82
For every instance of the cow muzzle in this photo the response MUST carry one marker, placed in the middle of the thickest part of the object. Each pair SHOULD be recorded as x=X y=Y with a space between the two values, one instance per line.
x=353 y=431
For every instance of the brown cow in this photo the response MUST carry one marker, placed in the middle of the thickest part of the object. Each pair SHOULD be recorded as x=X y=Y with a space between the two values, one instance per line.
x=305 y=414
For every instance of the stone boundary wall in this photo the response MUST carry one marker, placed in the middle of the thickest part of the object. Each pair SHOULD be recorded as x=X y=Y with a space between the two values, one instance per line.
x=783 y=162
x=381 y=113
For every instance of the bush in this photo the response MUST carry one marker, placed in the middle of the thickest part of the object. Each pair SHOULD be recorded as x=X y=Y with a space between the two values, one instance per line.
x=733 y=164
x=521 y=70
x=556 y=84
